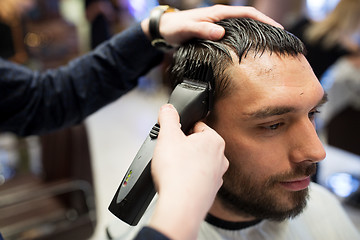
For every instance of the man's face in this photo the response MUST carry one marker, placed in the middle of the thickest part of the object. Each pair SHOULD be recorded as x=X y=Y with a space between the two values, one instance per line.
x=267 y=122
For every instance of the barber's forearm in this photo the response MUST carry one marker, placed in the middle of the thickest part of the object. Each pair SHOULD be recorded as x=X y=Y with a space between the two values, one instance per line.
x=34 y=103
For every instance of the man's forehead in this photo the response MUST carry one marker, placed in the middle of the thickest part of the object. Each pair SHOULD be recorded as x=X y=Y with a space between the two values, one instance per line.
x=266 y=65
x=271 y=77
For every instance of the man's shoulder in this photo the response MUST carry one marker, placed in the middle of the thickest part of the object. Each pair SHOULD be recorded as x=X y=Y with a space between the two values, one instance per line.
x=321 y=195
x=323 y=218
x=322 y=202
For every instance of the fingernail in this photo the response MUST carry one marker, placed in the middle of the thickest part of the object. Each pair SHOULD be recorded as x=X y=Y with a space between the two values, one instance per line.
x=167 y=107
x=217 y=32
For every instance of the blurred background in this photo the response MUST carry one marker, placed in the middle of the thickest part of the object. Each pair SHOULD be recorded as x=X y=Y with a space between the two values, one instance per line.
x=59 y=185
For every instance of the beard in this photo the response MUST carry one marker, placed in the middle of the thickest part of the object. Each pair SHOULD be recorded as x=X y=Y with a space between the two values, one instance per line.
x=262 y=200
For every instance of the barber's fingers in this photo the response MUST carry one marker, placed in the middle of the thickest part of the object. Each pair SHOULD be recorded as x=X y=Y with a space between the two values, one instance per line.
x=206 y=30
x=223 y=11
x=213 y=140
x=200 y=23
x=169 y=120
x=201 y=127
x=209 y=30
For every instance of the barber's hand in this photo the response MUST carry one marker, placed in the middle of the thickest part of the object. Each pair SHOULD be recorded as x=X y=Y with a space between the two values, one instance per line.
x=187 y=172
x=177 y=27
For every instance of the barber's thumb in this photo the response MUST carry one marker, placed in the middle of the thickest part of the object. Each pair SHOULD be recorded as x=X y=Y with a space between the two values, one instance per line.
x=211 y=31
x=168 y=118
x=216 y=32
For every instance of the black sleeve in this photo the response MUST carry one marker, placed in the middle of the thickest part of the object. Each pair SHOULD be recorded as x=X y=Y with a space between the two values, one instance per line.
x=147 y=233
x=34 y=103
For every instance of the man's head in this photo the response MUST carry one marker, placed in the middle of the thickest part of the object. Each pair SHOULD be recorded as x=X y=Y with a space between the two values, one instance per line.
x=266 y=96
x=242 y=37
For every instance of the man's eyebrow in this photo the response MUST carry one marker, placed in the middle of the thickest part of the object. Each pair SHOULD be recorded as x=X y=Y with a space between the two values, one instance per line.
x=269 y=111
x=278 y=110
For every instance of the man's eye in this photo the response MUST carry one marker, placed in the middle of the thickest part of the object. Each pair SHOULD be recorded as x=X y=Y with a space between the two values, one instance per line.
x=312 y=114
x=273 y=126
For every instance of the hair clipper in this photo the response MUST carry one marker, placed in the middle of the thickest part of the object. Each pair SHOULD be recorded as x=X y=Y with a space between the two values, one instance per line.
x=192 y=98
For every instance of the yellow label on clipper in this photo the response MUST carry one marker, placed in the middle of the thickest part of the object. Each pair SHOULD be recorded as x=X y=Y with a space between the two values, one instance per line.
x=127 y=177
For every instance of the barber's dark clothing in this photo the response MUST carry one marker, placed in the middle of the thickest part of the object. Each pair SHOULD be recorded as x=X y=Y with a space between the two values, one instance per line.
x=147 y=233
x=34 y=103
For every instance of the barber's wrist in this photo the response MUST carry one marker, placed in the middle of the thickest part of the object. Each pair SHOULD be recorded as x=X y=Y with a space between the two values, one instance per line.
x=152 y=26
x=145 y=28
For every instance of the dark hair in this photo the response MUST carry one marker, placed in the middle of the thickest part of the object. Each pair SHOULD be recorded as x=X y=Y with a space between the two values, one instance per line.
x=242 y=35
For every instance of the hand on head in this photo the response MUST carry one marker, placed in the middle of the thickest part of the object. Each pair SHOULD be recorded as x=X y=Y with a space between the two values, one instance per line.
x=178 y=27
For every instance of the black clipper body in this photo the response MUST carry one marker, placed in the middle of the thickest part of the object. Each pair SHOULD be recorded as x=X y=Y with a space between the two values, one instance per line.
x=192 y=100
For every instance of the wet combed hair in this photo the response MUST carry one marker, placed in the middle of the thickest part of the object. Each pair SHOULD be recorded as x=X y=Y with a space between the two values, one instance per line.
x=242 y=35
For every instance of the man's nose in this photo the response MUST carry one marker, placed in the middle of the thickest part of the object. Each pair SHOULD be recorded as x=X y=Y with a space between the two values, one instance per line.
x=305 y=143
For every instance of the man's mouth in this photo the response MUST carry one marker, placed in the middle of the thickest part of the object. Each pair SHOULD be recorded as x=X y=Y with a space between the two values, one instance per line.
x=296 y=184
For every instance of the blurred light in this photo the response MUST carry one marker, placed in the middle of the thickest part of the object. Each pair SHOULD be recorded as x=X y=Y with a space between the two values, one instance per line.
x=140 y=9
x=343 y=184
x=72 y=10
x=318 y=9
x=32 y=39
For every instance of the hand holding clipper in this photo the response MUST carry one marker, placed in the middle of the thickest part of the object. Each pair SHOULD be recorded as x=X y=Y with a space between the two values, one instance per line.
x=192 y=100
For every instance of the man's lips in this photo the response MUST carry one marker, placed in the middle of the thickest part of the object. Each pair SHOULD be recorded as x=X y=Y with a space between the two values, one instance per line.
x=296 y=184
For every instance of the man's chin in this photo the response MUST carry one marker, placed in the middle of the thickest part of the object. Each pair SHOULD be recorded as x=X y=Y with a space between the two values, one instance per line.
x=289 y=205
x=293 y=206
